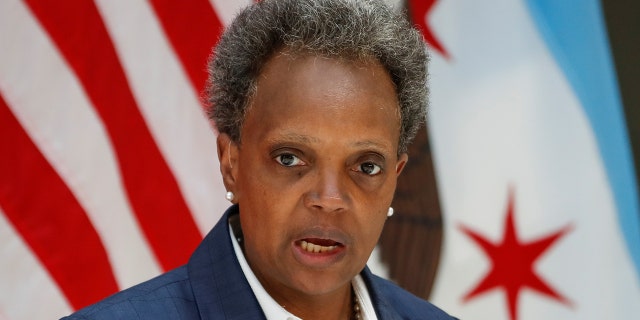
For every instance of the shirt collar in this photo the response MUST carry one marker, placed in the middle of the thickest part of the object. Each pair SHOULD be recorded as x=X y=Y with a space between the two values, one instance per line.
x=367 y=312
x=274 y=311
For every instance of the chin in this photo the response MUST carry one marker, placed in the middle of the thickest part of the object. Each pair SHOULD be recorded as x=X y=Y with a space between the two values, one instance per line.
x=321 y=282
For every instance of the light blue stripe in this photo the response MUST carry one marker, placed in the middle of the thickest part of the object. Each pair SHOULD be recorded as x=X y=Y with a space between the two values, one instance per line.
x=574 y=31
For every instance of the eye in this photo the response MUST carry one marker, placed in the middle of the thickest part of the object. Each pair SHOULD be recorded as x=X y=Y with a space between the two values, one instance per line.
x=369 y=168
x=288 y=160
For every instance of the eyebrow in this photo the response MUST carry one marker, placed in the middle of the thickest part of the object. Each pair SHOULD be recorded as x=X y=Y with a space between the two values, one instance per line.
x=301 y=138
x=370 y=144
x=295 y=137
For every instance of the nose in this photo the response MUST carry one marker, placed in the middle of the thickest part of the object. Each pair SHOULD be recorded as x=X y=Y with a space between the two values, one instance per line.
x=327 y=192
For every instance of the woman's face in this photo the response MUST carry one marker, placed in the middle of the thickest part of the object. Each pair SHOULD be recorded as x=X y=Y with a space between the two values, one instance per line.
x=316 y=171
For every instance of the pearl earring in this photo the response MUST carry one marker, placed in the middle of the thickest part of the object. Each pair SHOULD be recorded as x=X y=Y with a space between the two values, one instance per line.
x=390 y=212
x=229 y=196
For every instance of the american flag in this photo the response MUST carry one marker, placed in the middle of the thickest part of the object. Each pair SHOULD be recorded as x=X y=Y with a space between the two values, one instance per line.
x=108 y=173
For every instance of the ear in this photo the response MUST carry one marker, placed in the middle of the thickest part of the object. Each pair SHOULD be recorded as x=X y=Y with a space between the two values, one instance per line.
x=402 y=162
x=228 y=158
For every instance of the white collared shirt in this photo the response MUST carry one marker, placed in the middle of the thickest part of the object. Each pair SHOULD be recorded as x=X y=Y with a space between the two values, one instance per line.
x=274 y=311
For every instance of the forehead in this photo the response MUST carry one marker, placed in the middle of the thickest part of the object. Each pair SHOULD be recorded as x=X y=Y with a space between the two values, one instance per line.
x=302 y=95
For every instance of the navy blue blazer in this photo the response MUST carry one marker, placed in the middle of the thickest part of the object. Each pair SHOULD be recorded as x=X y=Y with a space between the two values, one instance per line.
x=212 y=286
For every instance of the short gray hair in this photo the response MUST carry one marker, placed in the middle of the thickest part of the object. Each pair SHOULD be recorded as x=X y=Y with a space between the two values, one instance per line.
x=348 y=29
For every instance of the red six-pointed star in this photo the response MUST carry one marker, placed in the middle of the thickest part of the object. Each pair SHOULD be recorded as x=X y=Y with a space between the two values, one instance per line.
x=512 y=264
x=420 y=10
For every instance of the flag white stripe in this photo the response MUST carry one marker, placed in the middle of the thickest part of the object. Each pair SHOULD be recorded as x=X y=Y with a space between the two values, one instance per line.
x=227 y=10
x=28 y=292
x=169 y=105
x=48 y=101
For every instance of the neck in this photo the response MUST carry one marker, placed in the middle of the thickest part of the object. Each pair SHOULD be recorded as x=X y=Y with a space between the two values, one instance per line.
x=336 y=305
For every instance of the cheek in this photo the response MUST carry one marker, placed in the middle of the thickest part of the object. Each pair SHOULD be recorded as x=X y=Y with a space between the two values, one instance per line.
x=378 y=200
x=374 y=208
x=262 y=235
x=262 y=184
x=256 y=194
x=371 y=225
x=264 y=208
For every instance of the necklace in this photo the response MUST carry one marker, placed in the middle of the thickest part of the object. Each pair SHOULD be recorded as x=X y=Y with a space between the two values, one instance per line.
x=356 y=305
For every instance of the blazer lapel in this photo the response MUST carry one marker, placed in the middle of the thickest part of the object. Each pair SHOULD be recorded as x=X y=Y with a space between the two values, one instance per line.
x=219 y=285
x=383 y=307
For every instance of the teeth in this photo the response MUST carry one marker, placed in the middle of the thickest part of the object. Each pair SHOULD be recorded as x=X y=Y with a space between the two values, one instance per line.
x=314 y=248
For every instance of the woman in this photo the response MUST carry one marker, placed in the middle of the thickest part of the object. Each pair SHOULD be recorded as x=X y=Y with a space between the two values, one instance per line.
x=315 y=103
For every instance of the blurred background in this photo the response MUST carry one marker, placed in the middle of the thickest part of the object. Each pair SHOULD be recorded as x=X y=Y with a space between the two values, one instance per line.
x=520 y=200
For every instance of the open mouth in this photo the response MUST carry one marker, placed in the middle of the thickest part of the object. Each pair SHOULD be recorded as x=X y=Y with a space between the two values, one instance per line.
x=319 y=245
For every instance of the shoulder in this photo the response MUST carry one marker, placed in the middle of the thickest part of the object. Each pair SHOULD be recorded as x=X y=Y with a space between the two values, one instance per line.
x=168 y=296
x=406 y=305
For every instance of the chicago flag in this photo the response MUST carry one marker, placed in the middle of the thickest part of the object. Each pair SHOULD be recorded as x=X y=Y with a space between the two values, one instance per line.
x=533 y=163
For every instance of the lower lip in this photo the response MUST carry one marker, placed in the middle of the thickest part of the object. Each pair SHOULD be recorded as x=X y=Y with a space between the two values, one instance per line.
x=320 y=259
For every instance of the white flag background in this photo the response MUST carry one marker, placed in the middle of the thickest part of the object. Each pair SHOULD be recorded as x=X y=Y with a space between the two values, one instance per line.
x=102 y=134
x=533 y=164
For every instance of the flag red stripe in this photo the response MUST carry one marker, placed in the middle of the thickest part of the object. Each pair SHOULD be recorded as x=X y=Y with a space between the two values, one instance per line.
x=81 y=36
x=49 y=218
x=192 y=30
